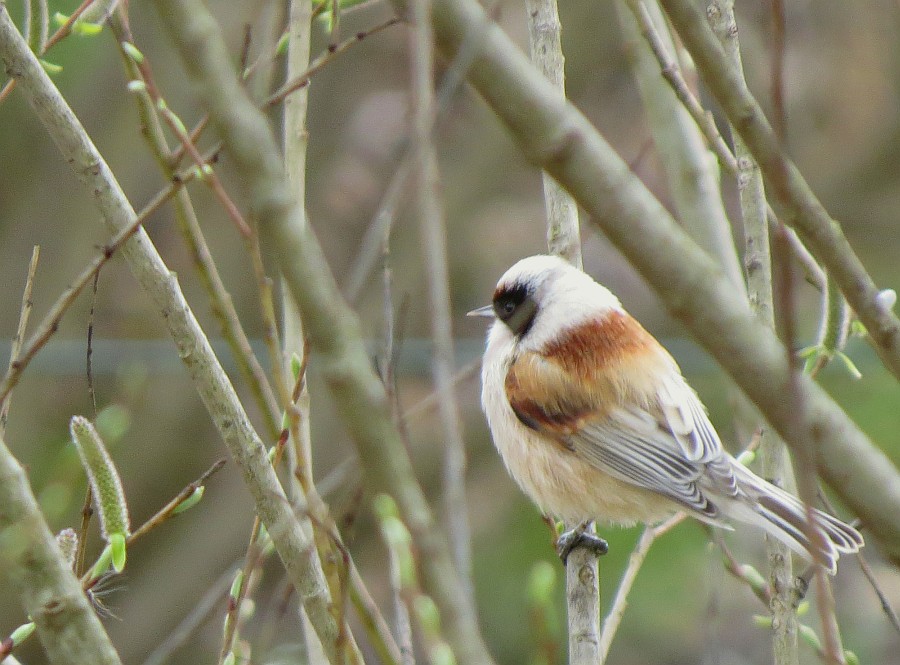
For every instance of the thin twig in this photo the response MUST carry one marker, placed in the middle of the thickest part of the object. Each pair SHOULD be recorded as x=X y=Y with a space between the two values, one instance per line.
x=635 y=561
x=693 y=179
x=51 y=320
x=779 y=28
x=16 y=346
x=432 y=399
x=163 y=514
x=192 y=620
x=758 y=267
x=300 y=81
x=805 y=457
x=89 y=370
x=545 y=41
x=430 y=211
x=175 y=124
x=886 y=606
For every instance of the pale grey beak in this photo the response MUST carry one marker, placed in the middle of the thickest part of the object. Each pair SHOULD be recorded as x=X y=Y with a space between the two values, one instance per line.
x=487 y=311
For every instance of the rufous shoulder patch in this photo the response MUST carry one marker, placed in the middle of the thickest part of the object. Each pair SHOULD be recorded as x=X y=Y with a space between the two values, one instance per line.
x=589 y=348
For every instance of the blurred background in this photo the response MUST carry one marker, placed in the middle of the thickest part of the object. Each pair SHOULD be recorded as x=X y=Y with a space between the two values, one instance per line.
x=842 y=74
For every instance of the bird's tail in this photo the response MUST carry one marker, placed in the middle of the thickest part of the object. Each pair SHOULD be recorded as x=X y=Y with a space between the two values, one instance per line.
x=784 y=517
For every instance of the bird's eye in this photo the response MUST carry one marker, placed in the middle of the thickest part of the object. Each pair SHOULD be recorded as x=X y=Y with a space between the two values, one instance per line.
x=516 y=308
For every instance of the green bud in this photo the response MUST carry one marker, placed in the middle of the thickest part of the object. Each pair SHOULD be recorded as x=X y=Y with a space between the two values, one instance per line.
x=442 y=654
x=236 y=585
x=50 y=67
x=762 y=621
x=281 y=46
x=753 y=577
x=22 y=633
x=230 y=659
x=182 y=131
x=106 y=486
x=850 y=365
x=850 y=657
x=803 y=608
x=117 y=546
x=133 y=52
x=60 y=19
x=86 y=29
x=296 y=366
x=103 y=562
x=747 y=457
x=809 y=636
x=427 y=614
x=384 y=506
x=191 y=501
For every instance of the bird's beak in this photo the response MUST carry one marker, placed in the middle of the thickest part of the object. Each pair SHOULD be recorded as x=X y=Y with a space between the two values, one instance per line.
x=487 y=311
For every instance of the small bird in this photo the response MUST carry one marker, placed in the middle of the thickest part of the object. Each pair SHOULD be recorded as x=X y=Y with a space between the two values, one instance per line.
x=595 y=421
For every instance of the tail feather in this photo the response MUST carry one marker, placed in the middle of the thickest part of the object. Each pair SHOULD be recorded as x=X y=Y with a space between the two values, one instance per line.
x=785 y=517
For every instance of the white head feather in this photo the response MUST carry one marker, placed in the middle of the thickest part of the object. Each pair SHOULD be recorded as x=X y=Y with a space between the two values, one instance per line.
x=564 y=295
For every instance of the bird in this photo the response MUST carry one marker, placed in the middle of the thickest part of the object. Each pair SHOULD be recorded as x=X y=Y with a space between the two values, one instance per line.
x=595 y=421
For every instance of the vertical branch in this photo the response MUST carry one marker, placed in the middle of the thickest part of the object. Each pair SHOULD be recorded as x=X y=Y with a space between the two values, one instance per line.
x=807 y=484
x=564 y=239
x=19 y=339
x=544 y=30
x=295 y=142
x=429 y=209
x=779 y=116
x=758 y=265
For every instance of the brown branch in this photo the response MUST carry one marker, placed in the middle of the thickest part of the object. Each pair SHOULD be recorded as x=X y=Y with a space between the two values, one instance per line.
x=16 y=346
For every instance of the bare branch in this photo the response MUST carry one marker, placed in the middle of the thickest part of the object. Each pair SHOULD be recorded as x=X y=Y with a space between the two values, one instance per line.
x=430 y=211
x=330 y=325
x=16 y=347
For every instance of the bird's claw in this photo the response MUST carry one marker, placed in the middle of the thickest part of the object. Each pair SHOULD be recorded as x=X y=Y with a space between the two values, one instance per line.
x=579 y=537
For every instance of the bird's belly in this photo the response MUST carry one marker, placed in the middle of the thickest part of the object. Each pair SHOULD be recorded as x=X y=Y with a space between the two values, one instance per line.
x=566 y=487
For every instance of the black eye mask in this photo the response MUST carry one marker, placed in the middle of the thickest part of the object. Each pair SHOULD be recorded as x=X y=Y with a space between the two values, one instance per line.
x=516 y=308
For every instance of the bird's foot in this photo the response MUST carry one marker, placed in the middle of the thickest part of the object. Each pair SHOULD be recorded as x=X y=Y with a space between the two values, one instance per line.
x=580 y=537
